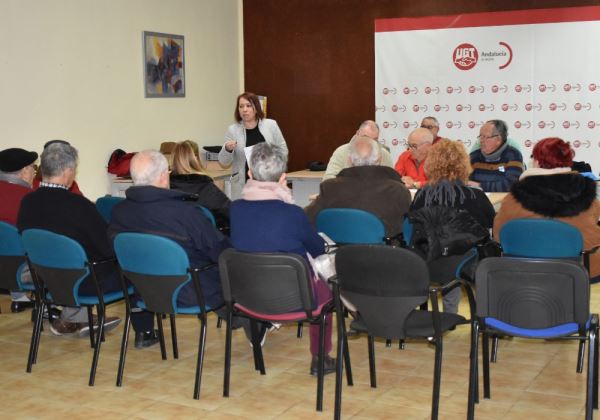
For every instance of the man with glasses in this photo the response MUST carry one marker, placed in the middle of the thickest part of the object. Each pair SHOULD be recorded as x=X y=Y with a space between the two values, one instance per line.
x=410 y=164
x=496 y=165
x=432 y=124
x=340 y=158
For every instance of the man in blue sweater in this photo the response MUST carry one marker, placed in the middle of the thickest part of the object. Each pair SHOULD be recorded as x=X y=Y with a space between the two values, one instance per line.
x=496 y=165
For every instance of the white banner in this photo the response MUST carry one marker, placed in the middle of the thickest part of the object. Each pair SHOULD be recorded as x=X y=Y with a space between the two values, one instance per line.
x=538 y=70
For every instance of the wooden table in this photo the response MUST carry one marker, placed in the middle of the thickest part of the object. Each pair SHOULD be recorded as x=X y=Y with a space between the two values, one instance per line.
x=305 y=183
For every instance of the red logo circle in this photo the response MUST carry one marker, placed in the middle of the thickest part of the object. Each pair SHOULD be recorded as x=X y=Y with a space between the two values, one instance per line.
x=504 y=107
x=465 y=56
x=481 y=107
x=576 y=144
x=472 y=89
x=518 y=88
x=386 y=124
x=552 y=106
x=386 y=91
x=405 y=124
x=406 y=91
x=577 y=106
x=542 y=87
x=591 y=124
x=471 y=124
x=416 y=108
x=592 y=87
x=437 y=108
x=566 y=124
x=449 y=89
x=528 y=107
x=394 y=108
x=495 y=89
x=459 y=107
x=394 y=142
x=541 y=124
x=428 y=90
x=528 y=143
x=567 y=87
x=449 y=124
x=517 y=124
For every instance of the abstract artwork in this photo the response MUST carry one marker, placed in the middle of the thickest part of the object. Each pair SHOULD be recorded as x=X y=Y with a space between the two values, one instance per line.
x=164 y=75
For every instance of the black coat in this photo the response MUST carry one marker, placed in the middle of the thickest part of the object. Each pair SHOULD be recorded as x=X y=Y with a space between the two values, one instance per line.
x=169 y=213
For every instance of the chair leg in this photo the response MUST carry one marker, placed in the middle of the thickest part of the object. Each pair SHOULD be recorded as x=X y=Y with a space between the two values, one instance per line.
x=388 y=343
x=124 y=343
x=580 y=356
x=473 y=361
x=256 y=348
x=589 y=399
x=227 y=368
x=321 y=357
x=437 y=378
x=349 y=380
x=98 y=310
x=91 y=325
x=161 y=337
x=494 y=356
x=372 y=373
x=200 y=361
x=98 y=342
x=596 y=355
x=339 y=366
x=36 y=347
x=299 y=331
x=401 y=345
x=35 y=333
x=174 y=335
x=486 y=365
x=219 y=321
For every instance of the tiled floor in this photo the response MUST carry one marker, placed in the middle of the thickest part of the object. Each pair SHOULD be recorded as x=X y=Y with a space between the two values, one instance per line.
x=532 y=380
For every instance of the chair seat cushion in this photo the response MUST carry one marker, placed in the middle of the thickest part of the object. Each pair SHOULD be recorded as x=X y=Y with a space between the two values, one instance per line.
x=556 y=331
x=108 y=297
x=185 y=310
x=420 y=323
x=286 y=317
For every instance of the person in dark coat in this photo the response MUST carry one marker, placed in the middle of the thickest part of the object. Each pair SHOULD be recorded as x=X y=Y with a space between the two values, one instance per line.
x=151 y=207
x=187 y=176
x=365 y=186
x=53 y=207
x=447 y=168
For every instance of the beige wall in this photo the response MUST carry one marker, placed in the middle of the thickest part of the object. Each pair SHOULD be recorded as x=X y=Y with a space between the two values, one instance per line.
x=72 y=69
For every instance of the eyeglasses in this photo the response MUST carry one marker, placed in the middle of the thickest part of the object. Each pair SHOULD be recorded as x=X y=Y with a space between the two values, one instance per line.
x=484 y=138
x=428 y=126
x=413 y=146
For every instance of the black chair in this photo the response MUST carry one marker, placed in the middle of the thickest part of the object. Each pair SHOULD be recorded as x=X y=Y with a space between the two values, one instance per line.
x=159 y=268
x=387 y=285
x=59 y=265
x=532 y=298
x=270 y=287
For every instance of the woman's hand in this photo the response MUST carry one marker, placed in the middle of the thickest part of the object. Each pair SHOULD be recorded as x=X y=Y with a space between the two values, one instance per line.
x=230 y=145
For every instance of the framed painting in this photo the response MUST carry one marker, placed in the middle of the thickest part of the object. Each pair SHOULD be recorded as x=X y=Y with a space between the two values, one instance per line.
x=164 y=69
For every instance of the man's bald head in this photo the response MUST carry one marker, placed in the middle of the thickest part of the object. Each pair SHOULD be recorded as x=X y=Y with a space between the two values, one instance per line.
x=364 y=151
x=419 y=142
x=368 y=128
x=150 y=167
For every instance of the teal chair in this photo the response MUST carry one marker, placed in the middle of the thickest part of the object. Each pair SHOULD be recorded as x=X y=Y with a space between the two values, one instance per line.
x=105 y=206
x=12 y=260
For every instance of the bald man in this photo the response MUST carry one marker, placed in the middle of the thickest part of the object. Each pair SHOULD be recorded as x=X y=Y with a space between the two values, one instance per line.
x=410 y=164
x=339 y=158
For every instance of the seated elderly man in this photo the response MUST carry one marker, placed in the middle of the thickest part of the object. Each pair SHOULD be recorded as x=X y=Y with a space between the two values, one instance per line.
x=432 y=124
x=339 y=158
x=366 y=186
x=53 y=207
x=151 y=207
x=496 y=165
x=411 y=163
x=16 y=175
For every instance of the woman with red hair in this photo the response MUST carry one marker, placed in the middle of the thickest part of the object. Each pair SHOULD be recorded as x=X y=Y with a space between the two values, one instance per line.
x=550 y=189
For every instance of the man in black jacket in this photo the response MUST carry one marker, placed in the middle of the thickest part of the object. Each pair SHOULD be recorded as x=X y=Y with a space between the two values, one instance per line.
x=151 y=207
x=53 y=207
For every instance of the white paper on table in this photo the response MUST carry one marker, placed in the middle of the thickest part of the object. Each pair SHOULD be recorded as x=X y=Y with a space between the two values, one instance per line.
x=248 y=152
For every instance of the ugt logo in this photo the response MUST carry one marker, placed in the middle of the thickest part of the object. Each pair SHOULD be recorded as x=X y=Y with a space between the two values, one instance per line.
x=465 y=56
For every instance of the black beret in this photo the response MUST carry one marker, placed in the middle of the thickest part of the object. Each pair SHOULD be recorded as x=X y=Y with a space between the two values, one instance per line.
x=15 y=159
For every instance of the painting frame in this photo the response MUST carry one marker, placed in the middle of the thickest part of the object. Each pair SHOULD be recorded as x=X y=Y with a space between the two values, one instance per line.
x=164 y=65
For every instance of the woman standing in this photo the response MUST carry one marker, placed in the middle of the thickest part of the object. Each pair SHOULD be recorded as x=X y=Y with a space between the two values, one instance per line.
x=187 y=175
x=251 y=128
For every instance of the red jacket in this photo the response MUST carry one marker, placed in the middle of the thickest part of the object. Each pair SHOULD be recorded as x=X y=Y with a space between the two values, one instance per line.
x=10 y=197
x=407 y=166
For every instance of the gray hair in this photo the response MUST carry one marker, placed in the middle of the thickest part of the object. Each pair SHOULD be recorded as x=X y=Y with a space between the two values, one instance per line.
x=368 y=123
x=437 y=124
x=501 y=129
x=360 y=159
x=147 y=166
x=57 y=158
x=267 y=162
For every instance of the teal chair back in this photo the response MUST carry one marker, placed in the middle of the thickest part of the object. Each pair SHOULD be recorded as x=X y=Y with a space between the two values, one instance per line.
x=351 y=226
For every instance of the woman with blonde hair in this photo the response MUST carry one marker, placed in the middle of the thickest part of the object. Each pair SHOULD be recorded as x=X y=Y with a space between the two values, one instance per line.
x=447 y=168
x=187 y=175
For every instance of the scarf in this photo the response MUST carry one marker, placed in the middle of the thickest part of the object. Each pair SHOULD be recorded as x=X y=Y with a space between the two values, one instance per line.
x=13 y=179
x=263 y=190
x=542 y=171
x=495 y=156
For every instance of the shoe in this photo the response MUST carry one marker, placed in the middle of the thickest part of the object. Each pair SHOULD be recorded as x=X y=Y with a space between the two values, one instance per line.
x=20 y=306
x=110 y=323
x=329 y=365
x=145 y=339
x=60 y=327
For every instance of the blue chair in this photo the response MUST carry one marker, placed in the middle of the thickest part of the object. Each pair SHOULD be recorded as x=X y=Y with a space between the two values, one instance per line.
x=351 y=226
x=12 y=260
x=105 y=206
x=536 y=299
x=206 y=212
x=159 y=268
x=59 y=265
x=543 y=238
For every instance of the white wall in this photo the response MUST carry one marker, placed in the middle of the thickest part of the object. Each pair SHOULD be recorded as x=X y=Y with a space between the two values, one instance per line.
x=72 y=69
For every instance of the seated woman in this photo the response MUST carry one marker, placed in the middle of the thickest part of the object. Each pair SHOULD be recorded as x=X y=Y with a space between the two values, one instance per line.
x=550 y=189
x=447 y=168
x=266 y=220
x=187 y=176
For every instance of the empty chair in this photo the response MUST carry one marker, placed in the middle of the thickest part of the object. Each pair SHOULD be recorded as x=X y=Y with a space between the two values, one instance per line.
x=59 y=266
x=270 y=287
x=105 y=206
x=533 y=298
x=159 y=268
x=387 y=285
